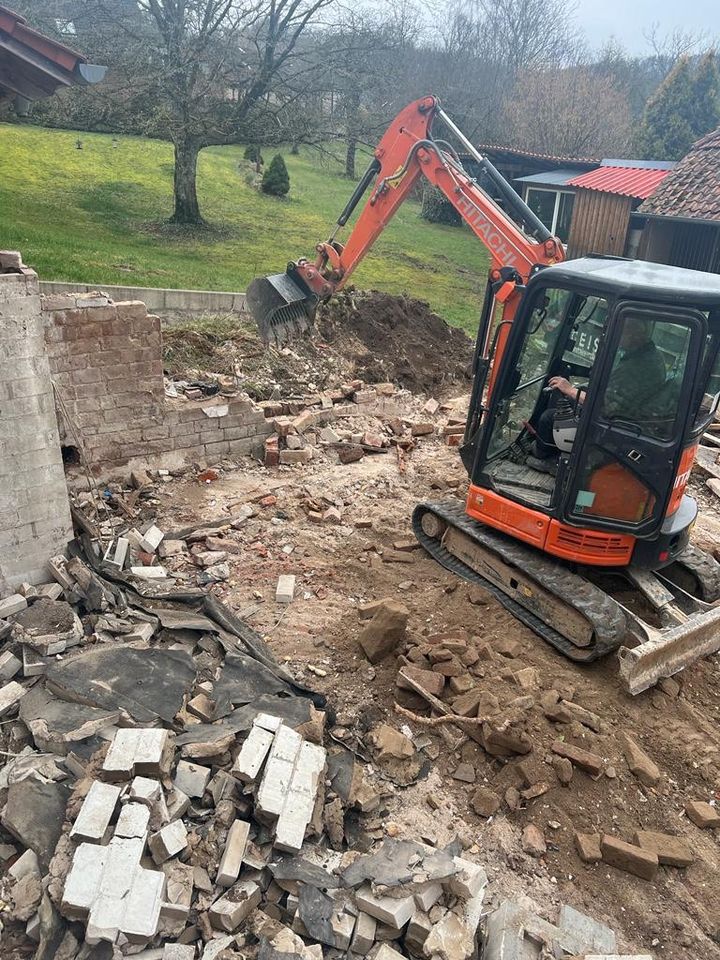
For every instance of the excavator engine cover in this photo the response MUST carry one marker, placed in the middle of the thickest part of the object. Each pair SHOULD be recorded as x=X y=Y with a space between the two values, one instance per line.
x=281 y=305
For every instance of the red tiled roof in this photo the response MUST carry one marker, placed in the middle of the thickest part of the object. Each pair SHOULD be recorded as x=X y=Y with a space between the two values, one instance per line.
x=16 y=26
x=626 y=181
x=692 y=190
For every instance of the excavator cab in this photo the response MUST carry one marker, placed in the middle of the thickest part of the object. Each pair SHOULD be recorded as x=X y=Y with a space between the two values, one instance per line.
x=639 y=342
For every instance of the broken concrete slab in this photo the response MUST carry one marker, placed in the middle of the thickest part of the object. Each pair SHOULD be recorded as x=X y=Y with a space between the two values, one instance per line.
x=145 y=682
x=243 y=680
x=48 y=626
x=34 y=813
x=57 y=724
x=513 y=931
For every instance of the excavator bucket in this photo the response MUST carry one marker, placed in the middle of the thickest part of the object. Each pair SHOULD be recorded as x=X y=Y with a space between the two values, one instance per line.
x=282 y=307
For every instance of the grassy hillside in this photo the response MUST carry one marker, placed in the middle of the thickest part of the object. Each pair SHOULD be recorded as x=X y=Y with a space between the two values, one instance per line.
x=98 y=215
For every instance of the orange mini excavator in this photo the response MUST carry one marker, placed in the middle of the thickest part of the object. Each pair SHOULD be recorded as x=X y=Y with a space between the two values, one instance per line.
x=594 y=380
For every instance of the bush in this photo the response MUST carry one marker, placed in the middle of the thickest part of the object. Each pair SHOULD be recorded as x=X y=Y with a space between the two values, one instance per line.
x=436 y=208
x=276 y=179
x=253 y=155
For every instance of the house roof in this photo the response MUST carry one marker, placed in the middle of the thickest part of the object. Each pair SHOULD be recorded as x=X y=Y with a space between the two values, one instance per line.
x=33 y=66
x=692 y=190
x=625 y=181
x=549 y=178
x=560 y=161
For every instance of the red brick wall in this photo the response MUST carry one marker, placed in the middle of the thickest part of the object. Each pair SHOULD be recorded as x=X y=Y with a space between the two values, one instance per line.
x=106 y=364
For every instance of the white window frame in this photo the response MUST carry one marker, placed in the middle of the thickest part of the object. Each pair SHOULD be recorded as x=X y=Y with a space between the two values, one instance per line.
x=556 y=208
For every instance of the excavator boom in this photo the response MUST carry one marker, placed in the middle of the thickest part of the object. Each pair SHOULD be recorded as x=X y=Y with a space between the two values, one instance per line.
x=284 y=304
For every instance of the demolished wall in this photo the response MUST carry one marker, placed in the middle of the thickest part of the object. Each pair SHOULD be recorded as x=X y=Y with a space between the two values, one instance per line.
x=106 y=363
x=34 y=508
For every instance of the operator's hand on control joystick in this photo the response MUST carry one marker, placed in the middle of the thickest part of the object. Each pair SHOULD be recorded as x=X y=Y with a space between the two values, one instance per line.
x=561 y=384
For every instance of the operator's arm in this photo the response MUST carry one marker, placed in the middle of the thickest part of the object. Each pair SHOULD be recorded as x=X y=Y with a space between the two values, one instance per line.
x=564 y=386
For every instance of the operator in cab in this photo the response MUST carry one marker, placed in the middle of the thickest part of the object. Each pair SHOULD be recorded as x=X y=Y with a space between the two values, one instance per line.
x=637 y=376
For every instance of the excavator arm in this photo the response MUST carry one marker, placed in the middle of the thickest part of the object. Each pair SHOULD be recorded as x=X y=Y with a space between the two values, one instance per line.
x=515 y=239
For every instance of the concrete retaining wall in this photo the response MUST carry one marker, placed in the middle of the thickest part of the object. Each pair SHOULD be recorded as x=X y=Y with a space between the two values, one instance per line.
x=157 y=299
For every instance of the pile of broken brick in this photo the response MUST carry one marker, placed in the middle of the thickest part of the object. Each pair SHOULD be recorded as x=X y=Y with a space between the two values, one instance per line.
x=168 y=795
x=377 y=423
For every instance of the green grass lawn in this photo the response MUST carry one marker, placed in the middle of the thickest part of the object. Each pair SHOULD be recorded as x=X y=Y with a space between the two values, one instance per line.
x=97 y=215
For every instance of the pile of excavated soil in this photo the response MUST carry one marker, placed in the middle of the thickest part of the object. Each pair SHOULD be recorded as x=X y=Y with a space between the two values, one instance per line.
x=395 y=339
x=373 y=336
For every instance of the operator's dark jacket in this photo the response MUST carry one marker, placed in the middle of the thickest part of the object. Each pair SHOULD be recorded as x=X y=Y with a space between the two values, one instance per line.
x=634 y=382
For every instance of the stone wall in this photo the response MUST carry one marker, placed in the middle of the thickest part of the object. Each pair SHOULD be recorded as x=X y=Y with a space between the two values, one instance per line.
x=34 y=508
x=106 y=363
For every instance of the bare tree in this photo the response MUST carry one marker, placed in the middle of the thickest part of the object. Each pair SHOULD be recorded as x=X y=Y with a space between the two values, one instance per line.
x=214 y=64
x=568 y=112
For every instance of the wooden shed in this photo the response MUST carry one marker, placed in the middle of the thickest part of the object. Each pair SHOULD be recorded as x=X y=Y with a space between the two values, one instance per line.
x=605 y=198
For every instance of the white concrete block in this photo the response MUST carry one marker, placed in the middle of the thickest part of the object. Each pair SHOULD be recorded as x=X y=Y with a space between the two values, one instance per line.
x=191 y=778
x=395 y=911
x=364 y=936
x=144 y=790
x=34 y=665
x=300 y=800
x=169 y=841
x=252 y=754
x=51 y=591
x=428 y=896
x=9 y=665
x=469 y=882
x=237 y=904
x=135 y=750
x=279 y=771
x=133 y=820
x=151 y=539
x=26 y=863
x=142 y=630
x=12 y=604
x=268 y=722
x=96 y=812
x=10 y=695
x=232 y=858
x=178 y=951
x=83 y=881
x=285 y=590
x=149 y=573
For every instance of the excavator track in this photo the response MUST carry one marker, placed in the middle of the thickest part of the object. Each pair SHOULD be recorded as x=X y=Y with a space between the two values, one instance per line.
x=697 y=572
x=606 y=621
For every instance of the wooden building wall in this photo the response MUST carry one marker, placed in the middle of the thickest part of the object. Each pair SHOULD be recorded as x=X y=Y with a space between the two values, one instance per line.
x=599 y=223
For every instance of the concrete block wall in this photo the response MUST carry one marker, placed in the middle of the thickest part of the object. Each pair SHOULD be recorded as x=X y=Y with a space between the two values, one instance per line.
x=35 y=519
x=106 y=363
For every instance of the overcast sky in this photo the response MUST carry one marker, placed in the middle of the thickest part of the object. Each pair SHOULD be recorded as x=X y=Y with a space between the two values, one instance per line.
x=627 y=20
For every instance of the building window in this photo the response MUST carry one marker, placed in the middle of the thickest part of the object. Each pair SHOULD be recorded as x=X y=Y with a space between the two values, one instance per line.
x=554 y=208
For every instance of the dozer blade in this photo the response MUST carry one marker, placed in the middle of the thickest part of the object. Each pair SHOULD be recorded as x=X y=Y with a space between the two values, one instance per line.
x=282 y=307
x=668 y=651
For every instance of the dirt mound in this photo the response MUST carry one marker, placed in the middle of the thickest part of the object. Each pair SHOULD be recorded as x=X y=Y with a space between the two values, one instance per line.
x=396 y=339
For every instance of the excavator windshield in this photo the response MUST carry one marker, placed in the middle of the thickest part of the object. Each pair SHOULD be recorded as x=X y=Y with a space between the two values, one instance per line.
x=561 y=338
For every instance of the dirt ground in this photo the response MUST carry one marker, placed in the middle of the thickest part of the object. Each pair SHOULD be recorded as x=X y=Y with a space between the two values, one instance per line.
x=339 y=566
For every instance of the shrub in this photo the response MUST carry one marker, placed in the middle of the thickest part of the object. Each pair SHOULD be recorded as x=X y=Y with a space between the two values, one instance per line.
x=276 y=179
x=253 y=155
x=436 y=208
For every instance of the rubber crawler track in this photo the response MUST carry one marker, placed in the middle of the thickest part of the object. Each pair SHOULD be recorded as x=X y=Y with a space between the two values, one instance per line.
x=705 y=569
x=609 y=623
